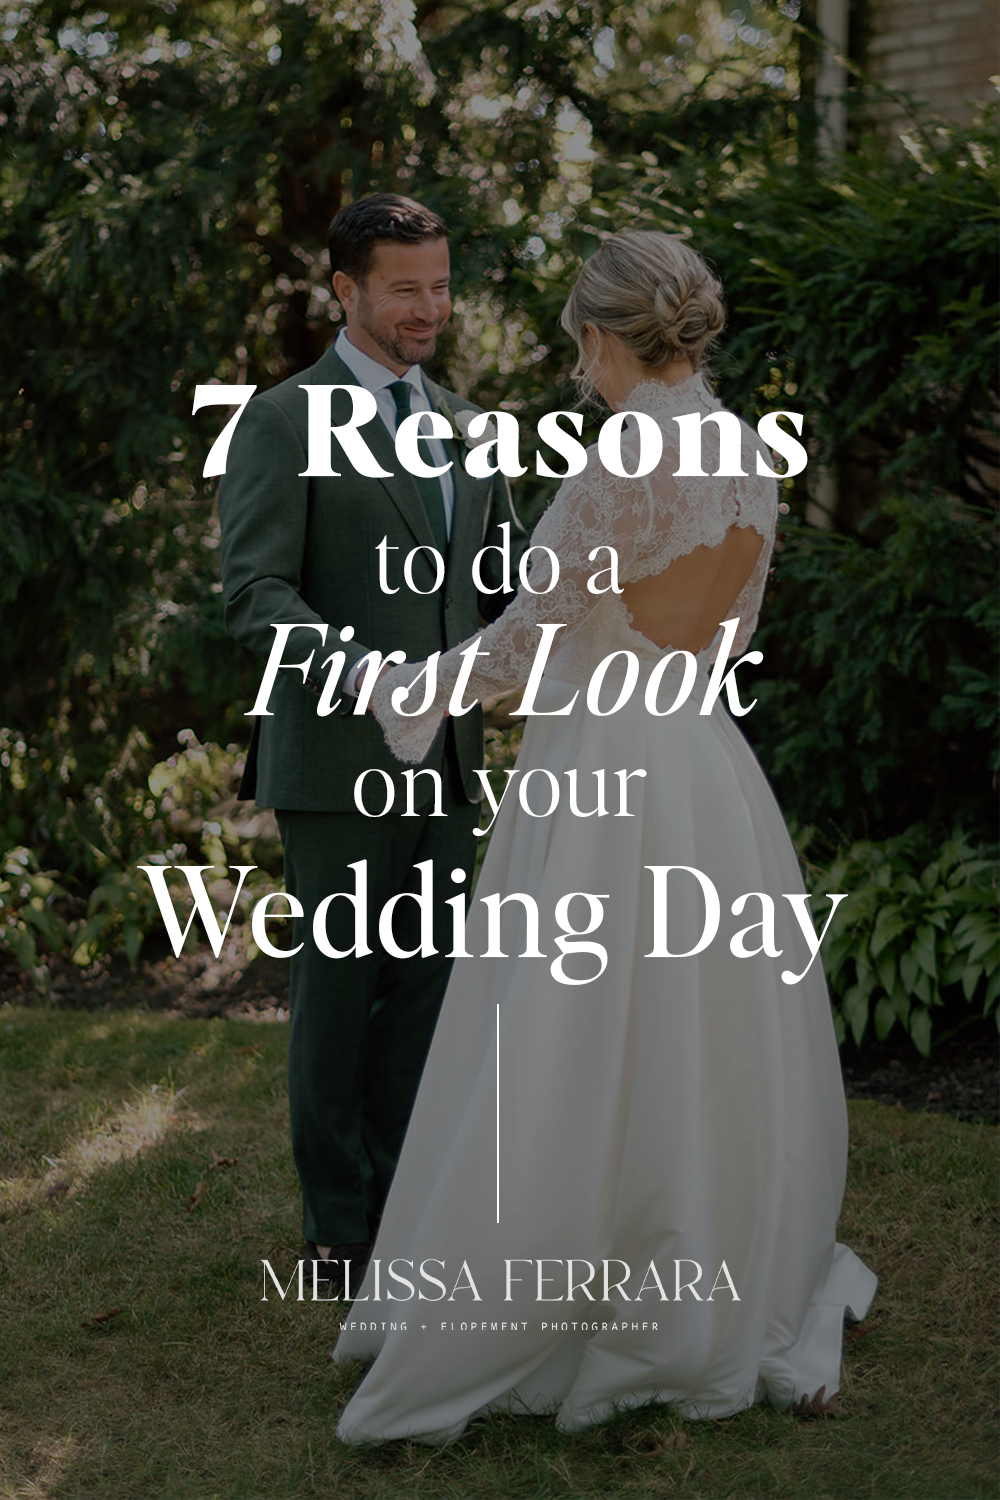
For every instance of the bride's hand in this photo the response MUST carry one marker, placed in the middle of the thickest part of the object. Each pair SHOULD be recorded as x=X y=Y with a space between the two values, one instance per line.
x=359 y=684
x=380 y=698
x=409 y=737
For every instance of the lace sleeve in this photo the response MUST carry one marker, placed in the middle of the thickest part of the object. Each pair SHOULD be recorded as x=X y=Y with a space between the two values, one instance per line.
x=591 y=512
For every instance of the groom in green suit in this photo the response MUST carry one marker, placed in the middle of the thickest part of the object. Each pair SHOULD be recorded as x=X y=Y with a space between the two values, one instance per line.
x=302 y=549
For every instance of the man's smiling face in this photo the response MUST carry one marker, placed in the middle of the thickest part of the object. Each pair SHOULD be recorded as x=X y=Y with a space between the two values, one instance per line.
x=397 y=311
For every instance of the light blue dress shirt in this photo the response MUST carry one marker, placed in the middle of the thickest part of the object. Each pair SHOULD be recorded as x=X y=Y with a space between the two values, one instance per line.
x=372 y=376
x=377 y=379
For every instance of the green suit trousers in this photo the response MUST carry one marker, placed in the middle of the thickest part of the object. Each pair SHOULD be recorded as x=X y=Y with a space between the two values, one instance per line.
x=361 y=1025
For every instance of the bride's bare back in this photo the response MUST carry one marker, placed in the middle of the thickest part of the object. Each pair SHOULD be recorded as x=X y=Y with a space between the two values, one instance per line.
x=683 y=606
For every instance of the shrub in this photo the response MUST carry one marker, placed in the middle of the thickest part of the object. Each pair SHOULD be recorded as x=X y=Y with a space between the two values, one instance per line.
x=917 y=941
x=876 y=704
x=186 y=812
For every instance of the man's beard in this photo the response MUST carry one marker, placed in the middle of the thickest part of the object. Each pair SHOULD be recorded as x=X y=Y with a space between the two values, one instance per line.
x=400 y=349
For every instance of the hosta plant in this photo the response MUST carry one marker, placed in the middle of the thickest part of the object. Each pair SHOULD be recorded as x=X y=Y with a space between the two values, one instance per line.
x=917 y=941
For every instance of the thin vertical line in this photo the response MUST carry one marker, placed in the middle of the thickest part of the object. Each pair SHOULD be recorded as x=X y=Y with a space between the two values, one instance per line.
x=498 y=1111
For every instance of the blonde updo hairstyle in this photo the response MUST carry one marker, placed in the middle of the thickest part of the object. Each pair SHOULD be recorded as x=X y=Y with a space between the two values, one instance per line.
x=652 y=291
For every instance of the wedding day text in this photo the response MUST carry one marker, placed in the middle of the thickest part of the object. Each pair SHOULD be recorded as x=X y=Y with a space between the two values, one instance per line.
x=492 y=439
x=580 y=959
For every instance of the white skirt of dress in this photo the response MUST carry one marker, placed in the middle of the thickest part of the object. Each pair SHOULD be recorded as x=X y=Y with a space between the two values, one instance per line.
x=686 y=1113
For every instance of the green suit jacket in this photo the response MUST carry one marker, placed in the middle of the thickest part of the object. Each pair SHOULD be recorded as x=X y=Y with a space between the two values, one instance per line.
x=303 y=550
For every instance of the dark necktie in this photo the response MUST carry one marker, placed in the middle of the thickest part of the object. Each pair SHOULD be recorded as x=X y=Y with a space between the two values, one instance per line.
x=429 y=490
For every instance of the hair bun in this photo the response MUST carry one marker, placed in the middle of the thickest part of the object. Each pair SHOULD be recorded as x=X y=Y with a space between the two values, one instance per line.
x=690 y=322
x=652 y=291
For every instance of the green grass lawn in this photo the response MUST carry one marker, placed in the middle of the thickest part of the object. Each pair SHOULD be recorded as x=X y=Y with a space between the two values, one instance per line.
x=145 y=1174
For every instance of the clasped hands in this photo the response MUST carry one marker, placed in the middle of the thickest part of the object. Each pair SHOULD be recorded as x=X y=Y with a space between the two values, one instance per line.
x=383 y=669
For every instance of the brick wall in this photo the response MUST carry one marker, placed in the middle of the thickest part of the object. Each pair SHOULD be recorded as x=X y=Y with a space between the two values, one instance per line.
x=940 y=51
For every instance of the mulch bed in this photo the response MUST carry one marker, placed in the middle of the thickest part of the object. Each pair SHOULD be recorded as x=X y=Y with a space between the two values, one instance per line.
x=961 y=1077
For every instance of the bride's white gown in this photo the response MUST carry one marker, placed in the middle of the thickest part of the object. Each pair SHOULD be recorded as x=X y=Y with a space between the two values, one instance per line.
x=671 y=1110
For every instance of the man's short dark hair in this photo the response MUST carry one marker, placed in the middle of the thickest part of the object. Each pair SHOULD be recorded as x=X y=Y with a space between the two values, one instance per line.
x=359 y=227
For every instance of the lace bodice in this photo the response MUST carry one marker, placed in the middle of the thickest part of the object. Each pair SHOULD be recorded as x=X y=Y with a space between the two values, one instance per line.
x=650 y=522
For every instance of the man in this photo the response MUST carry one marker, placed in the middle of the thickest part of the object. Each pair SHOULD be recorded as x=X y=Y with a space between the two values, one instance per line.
x=303 y=550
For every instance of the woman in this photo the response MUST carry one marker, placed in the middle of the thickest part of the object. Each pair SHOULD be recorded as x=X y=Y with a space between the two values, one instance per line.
x=679 y=1117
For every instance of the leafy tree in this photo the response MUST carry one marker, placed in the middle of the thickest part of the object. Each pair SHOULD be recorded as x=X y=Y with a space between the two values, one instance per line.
x=169 y=174
x=864 y=295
